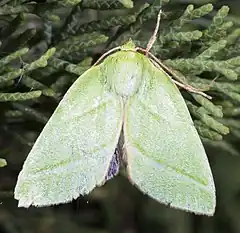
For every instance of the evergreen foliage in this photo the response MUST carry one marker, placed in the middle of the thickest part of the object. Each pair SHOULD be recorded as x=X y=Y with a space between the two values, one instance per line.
x=45 y=46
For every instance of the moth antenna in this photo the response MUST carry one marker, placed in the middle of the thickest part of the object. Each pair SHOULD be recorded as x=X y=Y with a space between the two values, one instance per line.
x=105 y=54
x=186 y=86
x=191 y=89
x=180 y=83
x=154 y=35
x=158 y=63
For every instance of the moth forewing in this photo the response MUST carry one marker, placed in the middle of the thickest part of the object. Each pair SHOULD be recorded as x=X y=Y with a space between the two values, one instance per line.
x=166 y=158
x=72 y=154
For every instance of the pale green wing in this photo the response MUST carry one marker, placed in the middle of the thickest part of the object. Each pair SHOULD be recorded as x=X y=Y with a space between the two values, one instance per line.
x=72 y=154
x=165 y=156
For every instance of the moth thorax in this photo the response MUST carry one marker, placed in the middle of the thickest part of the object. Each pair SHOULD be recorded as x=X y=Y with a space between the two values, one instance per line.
x=126 y=75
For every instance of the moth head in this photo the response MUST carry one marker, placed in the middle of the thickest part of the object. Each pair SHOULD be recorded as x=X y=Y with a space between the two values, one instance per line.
x=129 y=46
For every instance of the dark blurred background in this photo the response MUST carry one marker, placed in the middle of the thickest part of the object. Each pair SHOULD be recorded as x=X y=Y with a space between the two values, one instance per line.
x=118 y=206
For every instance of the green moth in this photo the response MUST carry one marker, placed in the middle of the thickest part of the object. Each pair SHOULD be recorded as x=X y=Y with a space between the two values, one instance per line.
x=125 y=94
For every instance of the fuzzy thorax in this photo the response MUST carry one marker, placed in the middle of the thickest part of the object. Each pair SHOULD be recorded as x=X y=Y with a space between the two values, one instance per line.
x=124 y=72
